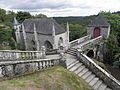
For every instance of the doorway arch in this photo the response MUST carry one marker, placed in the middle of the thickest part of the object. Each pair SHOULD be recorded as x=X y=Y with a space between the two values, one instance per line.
x=96 y=32
x=90 y=54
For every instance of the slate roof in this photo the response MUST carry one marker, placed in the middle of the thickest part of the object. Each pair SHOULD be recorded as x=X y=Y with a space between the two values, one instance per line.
x=99 y=21
x=43 y=26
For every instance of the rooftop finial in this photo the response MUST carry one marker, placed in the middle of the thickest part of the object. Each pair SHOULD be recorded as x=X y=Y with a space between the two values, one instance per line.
x=15 y=22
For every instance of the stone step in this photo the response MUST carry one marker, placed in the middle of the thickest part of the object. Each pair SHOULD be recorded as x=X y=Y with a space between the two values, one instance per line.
x=93 y=81
x=71 y=53
x=86 y=74
x=80 y=69
x=89 y=78
x=71 y=65
x=83 y=72
x=102 y=87
x=108 y=88
x=72 y=49
x=97 y=84
x=75 y=67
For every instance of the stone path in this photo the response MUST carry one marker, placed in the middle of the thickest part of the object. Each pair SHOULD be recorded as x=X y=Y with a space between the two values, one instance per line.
x=78 y=68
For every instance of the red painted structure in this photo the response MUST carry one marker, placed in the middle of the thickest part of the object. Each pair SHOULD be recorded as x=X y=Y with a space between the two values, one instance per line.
x=96 y=32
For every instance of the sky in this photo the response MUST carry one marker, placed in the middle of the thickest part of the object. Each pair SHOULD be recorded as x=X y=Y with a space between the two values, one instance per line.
x=55 y=8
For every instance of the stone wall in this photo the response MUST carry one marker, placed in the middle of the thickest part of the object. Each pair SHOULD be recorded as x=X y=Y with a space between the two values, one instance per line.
x=79 y=41
x=98 y=71
x=91 y=43
x=105 y=31
x=12 y=68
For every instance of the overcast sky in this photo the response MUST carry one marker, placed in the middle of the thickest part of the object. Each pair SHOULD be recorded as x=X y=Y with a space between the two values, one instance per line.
x=53 y=8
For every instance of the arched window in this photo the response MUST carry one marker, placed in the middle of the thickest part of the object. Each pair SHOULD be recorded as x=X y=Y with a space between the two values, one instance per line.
x=48 y=45
x=60 y=43
x=33 y=42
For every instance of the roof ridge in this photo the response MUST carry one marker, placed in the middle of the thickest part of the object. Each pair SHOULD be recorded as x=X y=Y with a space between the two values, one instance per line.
x=99 y=21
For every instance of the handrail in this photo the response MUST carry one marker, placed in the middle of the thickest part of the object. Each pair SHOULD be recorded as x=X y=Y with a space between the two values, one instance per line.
x=101 y=73
x=92 y=42
x=12 y=68
x=79 y=41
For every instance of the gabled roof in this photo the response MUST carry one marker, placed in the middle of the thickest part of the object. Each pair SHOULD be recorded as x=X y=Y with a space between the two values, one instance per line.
x=99 y=21
x=43 y=26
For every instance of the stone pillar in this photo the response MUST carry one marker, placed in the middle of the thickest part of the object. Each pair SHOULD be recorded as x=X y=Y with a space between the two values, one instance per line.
x=63 y=60
x=36 y=38
x=67 y=37
x=24 y=37
x=67 y=32
x=53 y=34
x=17 y=34
x=43 y=49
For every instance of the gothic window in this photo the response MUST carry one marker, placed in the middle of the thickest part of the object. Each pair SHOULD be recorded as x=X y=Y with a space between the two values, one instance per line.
x=33 y=42
x=34 y=49
x=60 y=42
x=48 y=45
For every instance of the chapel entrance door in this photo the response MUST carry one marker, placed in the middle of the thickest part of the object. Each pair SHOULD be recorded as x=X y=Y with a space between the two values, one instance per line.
x=96 y=32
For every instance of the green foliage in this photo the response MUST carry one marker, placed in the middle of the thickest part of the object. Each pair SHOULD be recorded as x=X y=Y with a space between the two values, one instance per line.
x=113 y=42
x=6 y=38
x=21 y=16
x=2 y=15
x=116 y=64
x=56 y=78
x=40 y=16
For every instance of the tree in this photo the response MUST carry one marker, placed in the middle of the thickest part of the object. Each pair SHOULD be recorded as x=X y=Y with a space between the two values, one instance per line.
x=40 y=16
x=21 y=16
x=2 y=15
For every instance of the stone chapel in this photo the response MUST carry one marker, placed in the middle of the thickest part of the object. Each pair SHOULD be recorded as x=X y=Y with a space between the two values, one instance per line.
x=32 y=34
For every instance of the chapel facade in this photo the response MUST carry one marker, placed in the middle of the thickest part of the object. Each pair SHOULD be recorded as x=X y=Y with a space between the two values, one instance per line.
x=32 y=34
x=99 y=27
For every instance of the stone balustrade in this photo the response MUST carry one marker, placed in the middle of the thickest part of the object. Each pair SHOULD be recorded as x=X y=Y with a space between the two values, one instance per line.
x=20 y=55
x=91 y=43
x=79 y=41
x=98 y=71
x=12 y=68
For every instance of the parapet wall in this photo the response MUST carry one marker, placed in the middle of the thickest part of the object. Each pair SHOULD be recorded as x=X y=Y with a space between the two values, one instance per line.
x=79 y=41
x=12 y=68
x=98 y=71
x=21 y=55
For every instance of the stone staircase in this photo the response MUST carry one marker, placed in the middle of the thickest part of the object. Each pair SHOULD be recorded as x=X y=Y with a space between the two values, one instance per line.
x=78 y=68
x=95 y=82
x=71 y=51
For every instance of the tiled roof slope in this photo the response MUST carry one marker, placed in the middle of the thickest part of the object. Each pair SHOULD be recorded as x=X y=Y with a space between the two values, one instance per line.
x=43 y=26
x=99 y=21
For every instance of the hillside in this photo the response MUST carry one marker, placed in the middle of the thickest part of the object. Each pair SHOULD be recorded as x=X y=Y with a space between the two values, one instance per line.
x=56 y=78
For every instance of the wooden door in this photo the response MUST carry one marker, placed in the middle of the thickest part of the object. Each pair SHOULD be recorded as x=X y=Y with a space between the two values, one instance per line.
x=96 y=32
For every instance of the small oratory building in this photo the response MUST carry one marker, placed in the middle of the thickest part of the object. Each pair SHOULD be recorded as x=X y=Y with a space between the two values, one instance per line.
x=99 y=27
x=32 y=34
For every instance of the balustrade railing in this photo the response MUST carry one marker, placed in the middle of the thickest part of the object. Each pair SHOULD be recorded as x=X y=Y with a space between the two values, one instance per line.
x=79 y=41
x=12 y=68
x=98 y=71
x=20 y=55
x=90 y=43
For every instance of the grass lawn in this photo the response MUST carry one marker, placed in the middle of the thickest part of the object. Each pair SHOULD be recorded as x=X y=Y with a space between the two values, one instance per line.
x=56 y=78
